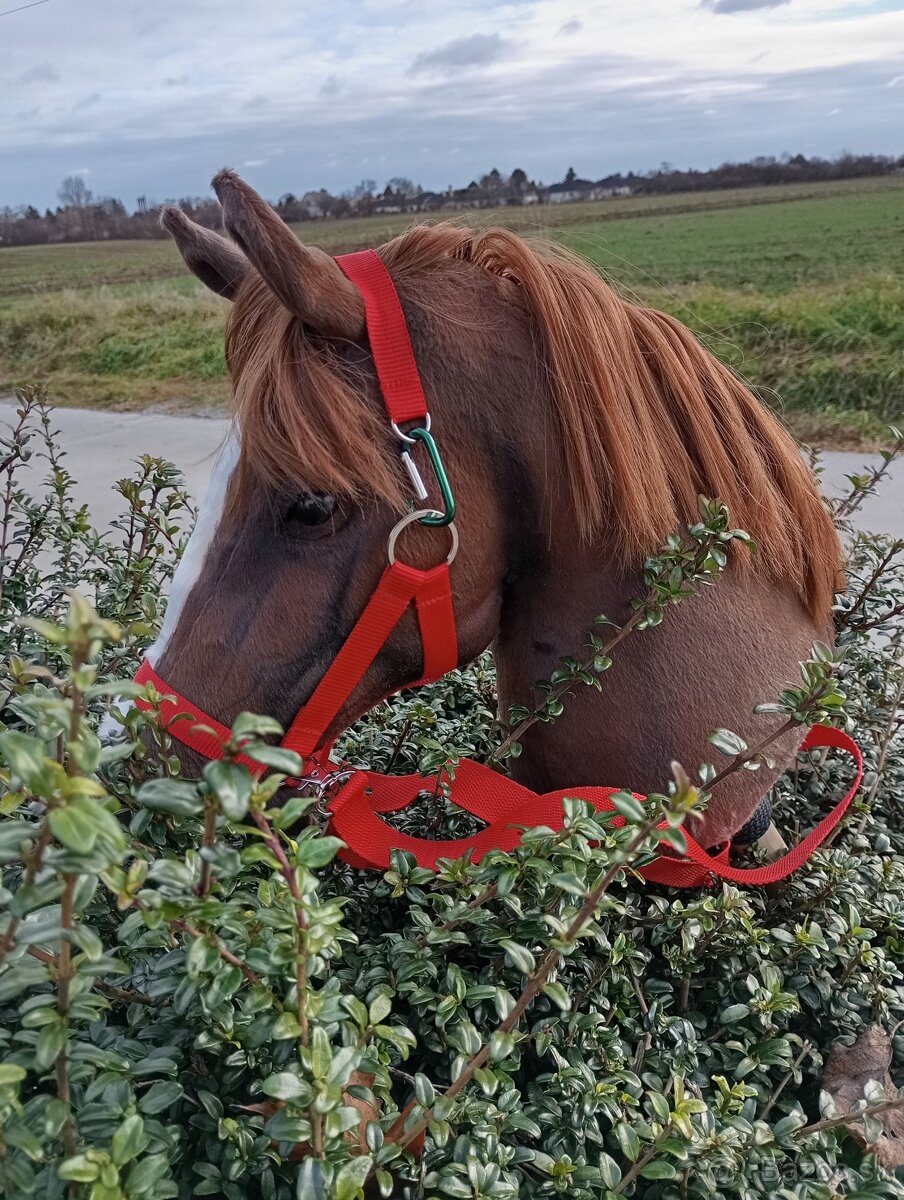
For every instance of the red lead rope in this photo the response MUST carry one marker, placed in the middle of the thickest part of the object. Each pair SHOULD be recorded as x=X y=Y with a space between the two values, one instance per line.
x=504 y=805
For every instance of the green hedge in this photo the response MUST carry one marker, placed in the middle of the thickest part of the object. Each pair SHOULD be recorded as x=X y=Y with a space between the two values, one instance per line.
x=198 y=999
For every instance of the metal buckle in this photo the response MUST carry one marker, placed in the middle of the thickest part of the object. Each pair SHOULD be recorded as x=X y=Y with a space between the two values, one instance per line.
x=326 y=787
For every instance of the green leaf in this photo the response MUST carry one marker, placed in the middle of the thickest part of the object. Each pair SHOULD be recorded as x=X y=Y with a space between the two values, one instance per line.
x=249 y=724
x=628 y=1141
x=318 y=851
x=287 y=762
x=144 y=1175
x=285 y=1085
x=734 y=1012
x=320 y=1052
x=79 y=1169
x=160 y=1096
x=519 y=956
x=75 y=825
x=11 y=1073
x=351 y=1177
x=232 y=786
x=129 y=1140
x=380 y=1008
x=424 y=1090
x=454 y=1185
x=727 y=742
x=659 y=1168
x=609 y=1170
x=558 y=994
x=171 y=795
x=628 y=807
x=26 y=757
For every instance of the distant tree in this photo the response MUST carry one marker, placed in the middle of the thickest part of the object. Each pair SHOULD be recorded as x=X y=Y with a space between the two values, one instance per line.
x=74 y=192
x=518 y=180
x=492 y=183
x=400 y=186
x=570 y=175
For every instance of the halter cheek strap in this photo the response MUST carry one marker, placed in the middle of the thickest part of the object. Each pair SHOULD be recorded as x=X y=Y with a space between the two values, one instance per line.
x=504 y=805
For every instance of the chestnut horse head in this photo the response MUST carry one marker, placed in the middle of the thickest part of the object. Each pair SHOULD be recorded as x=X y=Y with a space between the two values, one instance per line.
x=578 y=430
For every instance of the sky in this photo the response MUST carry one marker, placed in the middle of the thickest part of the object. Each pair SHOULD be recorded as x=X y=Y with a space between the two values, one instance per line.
x=151 y=98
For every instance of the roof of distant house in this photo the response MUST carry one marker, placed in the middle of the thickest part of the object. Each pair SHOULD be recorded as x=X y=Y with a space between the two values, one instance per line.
x=572 y=185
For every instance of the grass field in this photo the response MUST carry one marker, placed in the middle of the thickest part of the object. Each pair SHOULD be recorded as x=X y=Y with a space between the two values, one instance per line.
x=801 y=289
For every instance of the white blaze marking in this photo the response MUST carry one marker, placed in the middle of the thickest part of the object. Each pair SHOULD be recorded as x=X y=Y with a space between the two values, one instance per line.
x=199 y=543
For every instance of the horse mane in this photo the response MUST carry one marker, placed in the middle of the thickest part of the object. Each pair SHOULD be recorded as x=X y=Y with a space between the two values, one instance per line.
x=649 y=419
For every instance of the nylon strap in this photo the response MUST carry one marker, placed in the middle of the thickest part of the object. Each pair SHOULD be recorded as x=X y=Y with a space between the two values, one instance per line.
x=400 y=584
x=507 y=807
x=387 y=332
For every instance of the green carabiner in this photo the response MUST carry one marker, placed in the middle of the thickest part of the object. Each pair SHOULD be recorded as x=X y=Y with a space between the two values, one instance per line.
x=442 y=479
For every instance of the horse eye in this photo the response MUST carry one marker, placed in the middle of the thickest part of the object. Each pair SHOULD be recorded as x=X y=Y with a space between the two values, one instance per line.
x=314 y=508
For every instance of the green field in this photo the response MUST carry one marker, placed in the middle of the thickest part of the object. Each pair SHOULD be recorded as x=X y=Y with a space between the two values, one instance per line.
x=801 y=289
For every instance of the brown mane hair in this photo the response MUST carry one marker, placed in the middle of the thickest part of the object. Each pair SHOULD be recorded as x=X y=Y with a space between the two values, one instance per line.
x=649 y=418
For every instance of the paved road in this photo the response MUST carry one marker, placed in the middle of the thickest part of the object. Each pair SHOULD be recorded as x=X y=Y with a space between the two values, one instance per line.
x=101 y=447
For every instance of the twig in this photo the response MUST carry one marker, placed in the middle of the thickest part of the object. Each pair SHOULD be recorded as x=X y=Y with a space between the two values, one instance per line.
x=208 y=839
x=896 y=548
x=126 y=995
x=301 y=970
x=872 y=1110
x=748 y=755
x=221 y=949
x=887 y=737
x=770 y=1103
x=64 y=976
x=563 y=688
x=636 y=1168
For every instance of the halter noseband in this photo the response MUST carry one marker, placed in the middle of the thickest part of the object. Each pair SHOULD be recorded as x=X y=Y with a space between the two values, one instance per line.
x=358 y=797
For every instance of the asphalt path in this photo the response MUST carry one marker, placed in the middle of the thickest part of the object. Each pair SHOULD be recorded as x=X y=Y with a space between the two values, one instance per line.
x=102 y=446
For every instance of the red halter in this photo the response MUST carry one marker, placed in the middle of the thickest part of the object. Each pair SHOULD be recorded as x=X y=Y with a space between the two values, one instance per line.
x=503 y=804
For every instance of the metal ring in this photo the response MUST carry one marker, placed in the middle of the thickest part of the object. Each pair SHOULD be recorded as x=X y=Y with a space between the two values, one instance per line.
x=419 y=515
x=403 y=437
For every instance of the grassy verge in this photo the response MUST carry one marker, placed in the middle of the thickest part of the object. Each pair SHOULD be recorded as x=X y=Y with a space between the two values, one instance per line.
x=801 y=290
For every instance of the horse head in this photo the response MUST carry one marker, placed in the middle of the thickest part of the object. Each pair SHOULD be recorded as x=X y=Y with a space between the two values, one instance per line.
x=578 y=430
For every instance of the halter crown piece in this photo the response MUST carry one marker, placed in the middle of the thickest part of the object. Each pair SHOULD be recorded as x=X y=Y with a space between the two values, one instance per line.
x=356 y=798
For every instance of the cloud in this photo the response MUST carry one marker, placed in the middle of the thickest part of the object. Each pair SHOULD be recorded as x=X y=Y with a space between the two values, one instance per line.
x=733 y=6
x=478 y=50
x=332 y=86
x=254 y=162
x=87 y=102
x=896 y=82
x=172 y=81
x=40 y=73
x=572 y=26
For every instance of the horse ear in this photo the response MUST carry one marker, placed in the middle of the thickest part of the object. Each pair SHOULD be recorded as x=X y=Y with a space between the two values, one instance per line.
x=306 y=280
x=219 y=264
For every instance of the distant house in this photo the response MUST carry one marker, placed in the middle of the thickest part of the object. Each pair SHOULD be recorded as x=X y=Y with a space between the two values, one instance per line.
x=315 y=205
x=606 y=191
x=469 y=197
x=569 y=191
x=425 y=202
x=389 y=204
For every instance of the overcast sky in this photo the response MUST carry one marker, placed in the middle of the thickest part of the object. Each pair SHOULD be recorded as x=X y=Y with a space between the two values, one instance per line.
x=152 y=97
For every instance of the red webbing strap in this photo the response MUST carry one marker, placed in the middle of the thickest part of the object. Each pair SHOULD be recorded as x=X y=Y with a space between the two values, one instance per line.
x=387 y=331
x=186 y=722
x=505 y=805
x=436 y=617
x=819 y=737
x=399 y=585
